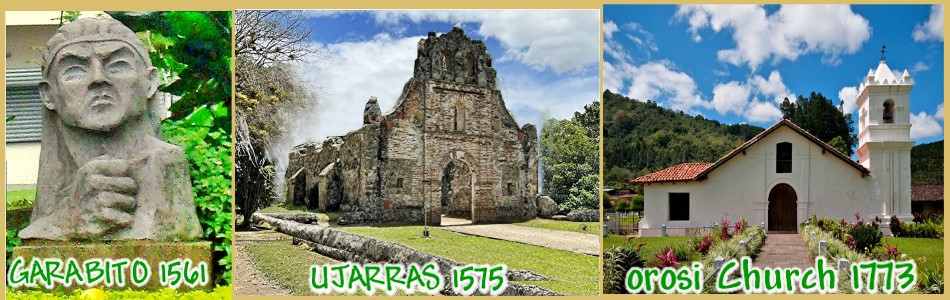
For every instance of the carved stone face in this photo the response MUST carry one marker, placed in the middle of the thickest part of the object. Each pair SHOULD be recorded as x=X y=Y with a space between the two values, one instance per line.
x=98 y=85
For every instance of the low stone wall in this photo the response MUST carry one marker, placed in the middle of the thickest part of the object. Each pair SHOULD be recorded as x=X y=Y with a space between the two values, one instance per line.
x=345 y=246
x=584 y=215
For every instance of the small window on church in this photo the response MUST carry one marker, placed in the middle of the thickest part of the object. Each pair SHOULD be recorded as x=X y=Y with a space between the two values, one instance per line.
x=783 y=158
x=458 y=123
x=679 y=206
x=398 y=183
x=511 y=189
x=888 y=111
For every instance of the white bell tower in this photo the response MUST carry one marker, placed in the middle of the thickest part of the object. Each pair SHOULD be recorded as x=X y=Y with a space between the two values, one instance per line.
x=884 y=138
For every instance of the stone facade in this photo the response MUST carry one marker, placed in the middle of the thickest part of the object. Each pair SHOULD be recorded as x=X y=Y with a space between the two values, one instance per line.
x=449 y=146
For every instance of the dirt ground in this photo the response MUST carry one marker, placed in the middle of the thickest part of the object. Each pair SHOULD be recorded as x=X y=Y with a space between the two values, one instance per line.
x=248 y=278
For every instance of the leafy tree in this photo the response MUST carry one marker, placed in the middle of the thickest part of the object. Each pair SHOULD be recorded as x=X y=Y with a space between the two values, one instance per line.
x=269 y=98
x=817 y=115
x=193 y=52
x=569 y=160
x=926 y=164
x=642 y=137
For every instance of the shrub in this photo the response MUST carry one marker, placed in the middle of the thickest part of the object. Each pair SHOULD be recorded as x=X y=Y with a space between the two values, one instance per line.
x=208 y=149
x=623 y=205
x=739 y=226
x=605 y=201
x=702 y=246
x=866 y=236
x=617 y=260
x=636 y=203
x=897 y=226
x=887 y=253
x=666 y=258
x=724 y=230
x=683 y=252
x=931 y=280
x=928 y=230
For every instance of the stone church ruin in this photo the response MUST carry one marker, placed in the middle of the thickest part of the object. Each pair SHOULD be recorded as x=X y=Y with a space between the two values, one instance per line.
x=449 y=146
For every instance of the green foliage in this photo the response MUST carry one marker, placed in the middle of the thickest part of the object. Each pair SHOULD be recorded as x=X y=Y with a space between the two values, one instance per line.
x=636 y=203
x=643 y=137
x=219 y=292
x=583 y=194
x=817 y=115
x=617 y=260
x=623 y=206
x=931 y=280
x=605 y=201
x=569 y=158
x=193 y=52
x=866 y=236
x=208 y=149
x=927 y=229
x=926 y=164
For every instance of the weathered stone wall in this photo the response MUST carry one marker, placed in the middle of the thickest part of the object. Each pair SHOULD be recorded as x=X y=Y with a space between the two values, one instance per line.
x=394 y=168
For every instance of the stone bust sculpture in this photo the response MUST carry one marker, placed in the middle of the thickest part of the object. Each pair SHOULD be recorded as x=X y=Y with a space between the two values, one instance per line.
x=104 y=175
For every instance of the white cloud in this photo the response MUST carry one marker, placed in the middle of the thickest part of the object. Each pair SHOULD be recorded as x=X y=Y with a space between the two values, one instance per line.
x=658 y=81
x=763 y=112
x=609 y=28
x=772 y=87
x=939 y=113
x=731 y=97
x=734 y=97
x=794 y=30
x=559 y=40
x=848 y=95
x=924 y=125
x=932 y=30
x=357 y=70
x=919 y=67
x=612 y=79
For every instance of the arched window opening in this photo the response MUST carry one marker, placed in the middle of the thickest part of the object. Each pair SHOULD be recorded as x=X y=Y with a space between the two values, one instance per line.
x=783 y=157
x=888 y=111
x=447 y=62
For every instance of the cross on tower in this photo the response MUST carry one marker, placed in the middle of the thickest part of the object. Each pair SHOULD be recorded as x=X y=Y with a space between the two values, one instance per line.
x=883 y=50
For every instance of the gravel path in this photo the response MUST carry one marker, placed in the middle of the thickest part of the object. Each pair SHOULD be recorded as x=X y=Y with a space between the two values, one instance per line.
x=248 y=279
x=564 y=240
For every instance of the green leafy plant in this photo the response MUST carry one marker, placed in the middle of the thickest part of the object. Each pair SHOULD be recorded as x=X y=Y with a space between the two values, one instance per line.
x=617 y=260
x=866 y=236
x=208 y=149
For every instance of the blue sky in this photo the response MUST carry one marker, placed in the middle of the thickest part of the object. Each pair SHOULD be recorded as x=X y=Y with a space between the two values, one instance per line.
x=735 y=63
x=547 y=61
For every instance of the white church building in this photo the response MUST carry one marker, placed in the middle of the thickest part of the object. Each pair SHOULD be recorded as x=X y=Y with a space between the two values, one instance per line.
x=784 y=175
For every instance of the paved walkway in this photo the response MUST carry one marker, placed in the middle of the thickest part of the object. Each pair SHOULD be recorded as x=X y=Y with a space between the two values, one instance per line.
x=784 y=250
x=558 y=239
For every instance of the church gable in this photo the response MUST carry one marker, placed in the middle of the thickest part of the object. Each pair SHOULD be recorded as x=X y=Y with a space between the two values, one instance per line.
x=700 y=171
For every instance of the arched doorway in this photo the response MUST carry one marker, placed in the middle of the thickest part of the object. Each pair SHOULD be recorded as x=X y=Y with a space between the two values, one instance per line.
x=457 y=190
x=783 y=208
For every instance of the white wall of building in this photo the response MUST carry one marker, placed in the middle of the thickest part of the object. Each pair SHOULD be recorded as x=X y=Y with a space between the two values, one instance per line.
x=823 y=183
x=23 y=164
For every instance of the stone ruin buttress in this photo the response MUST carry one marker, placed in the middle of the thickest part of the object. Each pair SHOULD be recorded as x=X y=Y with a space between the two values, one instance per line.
x=449 y=146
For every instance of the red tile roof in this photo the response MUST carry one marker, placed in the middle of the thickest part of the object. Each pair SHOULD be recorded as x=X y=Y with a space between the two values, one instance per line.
x=926 y=193
x=680 y=172
x=698 y=171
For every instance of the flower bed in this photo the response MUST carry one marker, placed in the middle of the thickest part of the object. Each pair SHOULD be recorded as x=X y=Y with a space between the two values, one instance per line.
x=730 y=249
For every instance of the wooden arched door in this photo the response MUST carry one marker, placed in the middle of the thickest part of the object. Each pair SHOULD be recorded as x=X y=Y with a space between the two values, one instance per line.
x=783 y=208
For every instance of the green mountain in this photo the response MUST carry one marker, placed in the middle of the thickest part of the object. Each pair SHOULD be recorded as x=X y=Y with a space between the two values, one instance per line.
x=643 y=137
x=926 y=164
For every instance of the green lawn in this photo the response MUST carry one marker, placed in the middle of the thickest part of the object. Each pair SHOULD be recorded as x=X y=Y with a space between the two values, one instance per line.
x=18 y=199
x=925 y=252
x=573 y=273
x=652 y=244
x=582 y=227
x=286 y=264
